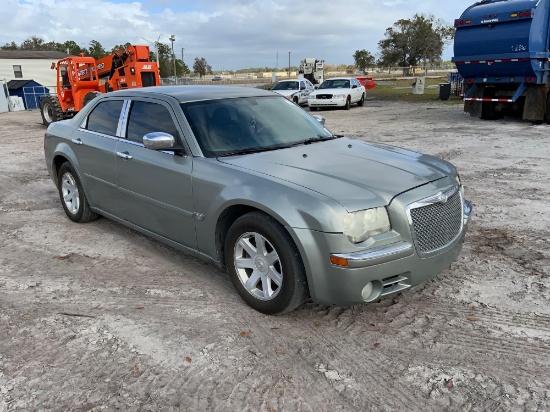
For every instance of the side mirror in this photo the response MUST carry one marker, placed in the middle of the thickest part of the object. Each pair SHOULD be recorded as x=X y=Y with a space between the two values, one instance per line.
x=354 y=86
x=319 y=118
x=159 y=141
x=302 y=87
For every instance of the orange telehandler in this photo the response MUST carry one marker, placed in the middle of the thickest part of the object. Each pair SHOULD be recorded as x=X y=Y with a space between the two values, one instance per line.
x=81 y=78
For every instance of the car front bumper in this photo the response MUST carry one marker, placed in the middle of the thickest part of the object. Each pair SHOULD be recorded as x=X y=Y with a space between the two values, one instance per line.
x=336 y=102
x=373 y=273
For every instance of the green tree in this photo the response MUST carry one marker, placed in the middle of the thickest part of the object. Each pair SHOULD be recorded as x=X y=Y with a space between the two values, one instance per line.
x=201 y=66
x=52 y=46
x=120 y=47
x=363 y=60
x=166 y=65
x=32 y=43
x=181 y=68
x=71 y=47
x=96 y=50
x=410 y=42
x=9 y=46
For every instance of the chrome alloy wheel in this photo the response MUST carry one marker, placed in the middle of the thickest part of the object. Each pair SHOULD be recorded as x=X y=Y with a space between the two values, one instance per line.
x=69 y=189
x=258 y=266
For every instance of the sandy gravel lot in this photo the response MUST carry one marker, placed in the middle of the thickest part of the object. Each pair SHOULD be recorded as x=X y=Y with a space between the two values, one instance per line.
x=98 y=317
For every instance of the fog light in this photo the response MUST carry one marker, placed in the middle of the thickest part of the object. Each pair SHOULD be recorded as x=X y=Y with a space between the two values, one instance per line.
x=367 y=291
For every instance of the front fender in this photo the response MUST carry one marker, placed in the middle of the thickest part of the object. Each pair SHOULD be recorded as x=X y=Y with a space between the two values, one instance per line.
x=218 y=186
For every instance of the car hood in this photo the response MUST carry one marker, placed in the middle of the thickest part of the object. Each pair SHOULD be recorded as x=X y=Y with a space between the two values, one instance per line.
x=285 y=92
x=331 y=91
x=354 y=173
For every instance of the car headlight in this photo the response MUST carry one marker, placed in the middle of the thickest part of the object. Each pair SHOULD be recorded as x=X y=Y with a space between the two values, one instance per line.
x=359 y=226
x=339 y=96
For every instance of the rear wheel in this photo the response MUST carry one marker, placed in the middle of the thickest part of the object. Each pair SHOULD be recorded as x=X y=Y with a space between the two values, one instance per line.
x=488 y=109
x=89 y=97
x=547 y=111
x=295 y=100
x=72 y=195
x=264 y=264
x=50 y=109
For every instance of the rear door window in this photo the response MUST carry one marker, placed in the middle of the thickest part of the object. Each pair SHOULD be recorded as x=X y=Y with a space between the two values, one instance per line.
x=104 y=117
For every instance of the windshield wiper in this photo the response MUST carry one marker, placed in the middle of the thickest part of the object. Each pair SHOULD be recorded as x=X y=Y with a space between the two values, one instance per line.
x=310 y=140
x=248 y=150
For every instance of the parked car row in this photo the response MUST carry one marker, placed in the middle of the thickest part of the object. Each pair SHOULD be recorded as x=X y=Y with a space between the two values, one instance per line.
x=336 y=92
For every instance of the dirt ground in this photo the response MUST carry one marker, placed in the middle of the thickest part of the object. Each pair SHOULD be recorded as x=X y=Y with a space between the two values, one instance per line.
x=96 y=317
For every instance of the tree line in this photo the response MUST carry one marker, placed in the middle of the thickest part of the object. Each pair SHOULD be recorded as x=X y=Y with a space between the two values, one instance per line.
x=409 y=42
x=95 y=49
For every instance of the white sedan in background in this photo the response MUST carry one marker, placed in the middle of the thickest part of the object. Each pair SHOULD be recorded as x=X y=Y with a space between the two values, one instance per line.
x=337 y=92
x=296 y=90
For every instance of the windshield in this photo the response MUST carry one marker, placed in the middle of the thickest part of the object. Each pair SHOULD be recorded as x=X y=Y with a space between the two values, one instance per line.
x=285 y=86
x=335 y=84
x=250 y=124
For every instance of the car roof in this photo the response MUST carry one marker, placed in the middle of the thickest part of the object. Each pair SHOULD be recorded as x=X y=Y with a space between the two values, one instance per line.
x=341 y=78
x=194 y=93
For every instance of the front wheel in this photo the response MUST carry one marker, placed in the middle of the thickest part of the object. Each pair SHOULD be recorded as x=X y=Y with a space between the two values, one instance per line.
x=348 y=104
x=264 y=264
x=72 y=195
x=362 y=101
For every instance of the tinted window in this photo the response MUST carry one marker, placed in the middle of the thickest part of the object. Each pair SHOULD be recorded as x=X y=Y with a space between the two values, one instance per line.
x=104 y=118
x=227 y=125
x=146 y=117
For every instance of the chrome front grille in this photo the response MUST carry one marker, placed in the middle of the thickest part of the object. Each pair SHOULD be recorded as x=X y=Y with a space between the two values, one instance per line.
x=436 y=221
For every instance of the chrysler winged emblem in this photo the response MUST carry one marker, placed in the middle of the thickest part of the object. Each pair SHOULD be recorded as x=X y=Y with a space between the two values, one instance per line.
x=442 y=197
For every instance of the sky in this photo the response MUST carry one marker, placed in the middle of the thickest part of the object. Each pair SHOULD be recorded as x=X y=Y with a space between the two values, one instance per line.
x=229 y=34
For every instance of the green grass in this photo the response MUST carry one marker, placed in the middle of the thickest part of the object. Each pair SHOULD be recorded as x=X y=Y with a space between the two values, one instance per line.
x=401 y=90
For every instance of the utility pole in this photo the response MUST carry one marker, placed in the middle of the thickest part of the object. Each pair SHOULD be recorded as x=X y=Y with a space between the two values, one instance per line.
x=289 y=65
x=173 y=39
x=182 y=63
x=157 y=50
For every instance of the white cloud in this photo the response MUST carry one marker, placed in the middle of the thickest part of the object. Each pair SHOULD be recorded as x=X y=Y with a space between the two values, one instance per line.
x=229 y=34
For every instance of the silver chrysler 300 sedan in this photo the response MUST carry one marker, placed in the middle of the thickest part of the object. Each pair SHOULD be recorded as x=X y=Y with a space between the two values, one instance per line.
x=249 y=181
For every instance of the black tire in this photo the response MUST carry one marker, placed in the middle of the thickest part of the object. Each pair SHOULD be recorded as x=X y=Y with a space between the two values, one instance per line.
x=50 y=109
x=89 y=97
x=348 y=104
x=361 y=102
x=287 y=264
x=547 y=111
x=72 y=196
x=488 y=109
x=295 y=100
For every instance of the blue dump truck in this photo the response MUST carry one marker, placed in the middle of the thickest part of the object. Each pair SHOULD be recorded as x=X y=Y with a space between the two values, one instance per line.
x=501 y=49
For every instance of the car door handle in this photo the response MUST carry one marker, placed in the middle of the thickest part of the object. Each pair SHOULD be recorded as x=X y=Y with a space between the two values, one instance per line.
x=77 y=141
x=124 y=155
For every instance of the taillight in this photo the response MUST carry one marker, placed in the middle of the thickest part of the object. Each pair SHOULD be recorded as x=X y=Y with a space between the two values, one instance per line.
x=470 y=81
